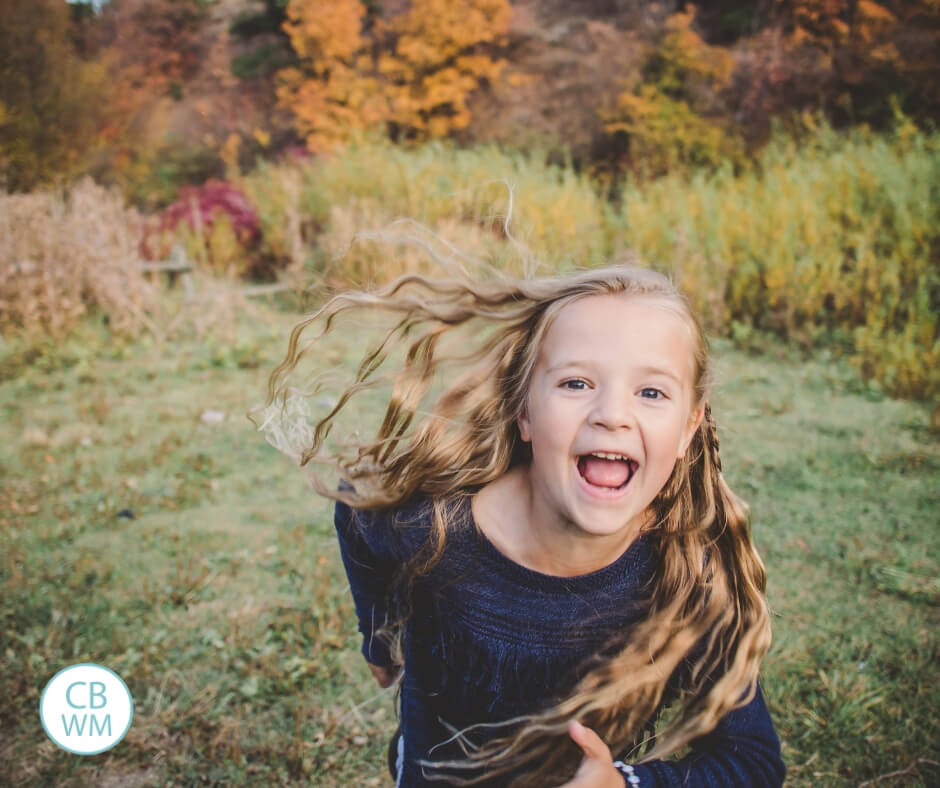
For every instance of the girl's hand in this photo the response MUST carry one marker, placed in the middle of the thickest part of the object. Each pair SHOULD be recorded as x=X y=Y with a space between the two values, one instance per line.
x=385 y=675
x=597 y=769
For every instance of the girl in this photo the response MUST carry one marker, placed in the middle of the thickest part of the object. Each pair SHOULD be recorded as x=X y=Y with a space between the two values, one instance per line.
x=547 y=557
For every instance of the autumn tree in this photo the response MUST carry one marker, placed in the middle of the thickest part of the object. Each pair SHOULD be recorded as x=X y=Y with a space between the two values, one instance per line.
x=151 y=48
x=673 y=117
x=154 y=124
x=868 y=52
x=410 y=72
x=49 y=96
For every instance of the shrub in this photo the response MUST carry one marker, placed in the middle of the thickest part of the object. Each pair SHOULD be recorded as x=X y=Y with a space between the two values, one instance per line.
x=151 y=177
x=287 y=222
x=218 y=224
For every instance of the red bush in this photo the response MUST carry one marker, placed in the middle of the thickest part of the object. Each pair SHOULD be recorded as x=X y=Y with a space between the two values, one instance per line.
x=199 y=206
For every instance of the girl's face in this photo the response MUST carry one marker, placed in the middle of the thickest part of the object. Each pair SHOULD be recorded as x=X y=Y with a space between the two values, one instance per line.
x=611 y=407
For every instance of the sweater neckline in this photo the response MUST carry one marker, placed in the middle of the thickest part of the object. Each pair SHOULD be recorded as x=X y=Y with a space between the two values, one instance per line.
x=623 y=571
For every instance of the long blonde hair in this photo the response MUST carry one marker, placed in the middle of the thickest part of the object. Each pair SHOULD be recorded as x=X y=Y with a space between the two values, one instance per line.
x=707 y=618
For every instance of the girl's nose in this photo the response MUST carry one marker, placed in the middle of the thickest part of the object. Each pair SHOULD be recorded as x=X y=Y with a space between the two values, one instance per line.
x=613 y=410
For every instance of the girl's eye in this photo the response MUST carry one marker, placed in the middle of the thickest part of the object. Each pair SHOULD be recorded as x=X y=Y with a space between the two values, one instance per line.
x=575 y=385
x=651 y=393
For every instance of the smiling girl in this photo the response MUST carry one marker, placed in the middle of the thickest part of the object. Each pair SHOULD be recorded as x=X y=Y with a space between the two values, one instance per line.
x=547 y=557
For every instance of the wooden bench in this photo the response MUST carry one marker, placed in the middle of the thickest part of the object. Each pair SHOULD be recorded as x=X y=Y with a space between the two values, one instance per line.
x=178 y=264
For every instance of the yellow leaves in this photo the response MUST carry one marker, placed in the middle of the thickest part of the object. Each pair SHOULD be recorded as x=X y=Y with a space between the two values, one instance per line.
x=439 y=30
x=681 y=21
x=438 y=62
x=439 y=126
x=415 y=70
x=666 y=134
x=329 y=97
x=685 y=53
x=633 y=113
x=480 y=66
x=666 y=125
x=874 y=12
x=229 y=153
x=325 y=32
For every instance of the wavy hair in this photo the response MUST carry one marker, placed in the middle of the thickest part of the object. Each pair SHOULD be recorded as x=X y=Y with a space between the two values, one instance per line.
x=707 y=619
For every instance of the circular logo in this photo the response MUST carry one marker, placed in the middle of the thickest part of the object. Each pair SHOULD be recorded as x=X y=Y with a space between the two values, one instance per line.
x=86 y=708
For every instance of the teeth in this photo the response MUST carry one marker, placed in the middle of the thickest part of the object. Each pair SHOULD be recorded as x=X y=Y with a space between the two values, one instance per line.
x=608 y=456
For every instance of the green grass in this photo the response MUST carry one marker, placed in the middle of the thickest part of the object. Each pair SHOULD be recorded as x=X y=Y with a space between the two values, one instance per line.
x=224 y=607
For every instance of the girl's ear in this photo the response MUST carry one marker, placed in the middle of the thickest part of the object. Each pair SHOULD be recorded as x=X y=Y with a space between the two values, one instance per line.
x=522 y=421
x=695 y=421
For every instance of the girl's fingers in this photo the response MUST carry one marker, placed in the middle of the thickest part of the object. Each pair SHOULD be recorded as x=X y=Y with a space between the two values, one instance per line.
x=597 y=768
x=592 y=744
x=384 y=675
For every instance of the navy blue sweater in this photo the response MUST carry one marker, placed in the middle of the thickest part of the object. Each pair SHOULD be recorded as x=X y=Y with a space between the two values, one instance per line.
x=489 y=639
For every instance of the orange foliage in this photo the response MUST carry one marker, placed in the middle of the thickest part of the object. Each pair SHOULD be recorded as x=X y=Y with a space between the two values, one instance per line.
x=437 y=62
x=149 y=49
x=837 y=22
x=854 y=37
x=336 y=92
x=860 y=38
x=323 y=34
x=411 y=73
x=684 y=57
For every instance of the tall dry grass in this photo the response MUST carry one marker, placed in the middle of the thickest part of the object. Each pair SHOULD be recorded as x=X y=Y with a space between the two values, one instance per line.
x=65 y=254
x=320 y=210
x=832 y=240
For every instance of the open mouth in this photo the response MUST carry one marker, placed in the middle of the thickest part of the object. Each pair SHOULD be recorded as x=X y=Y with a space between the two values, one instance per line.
x=607 y=471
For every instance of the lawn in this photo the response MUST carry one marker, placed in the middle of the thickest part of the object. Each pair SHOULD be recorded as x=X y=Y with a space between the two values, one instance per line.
x=146 y=526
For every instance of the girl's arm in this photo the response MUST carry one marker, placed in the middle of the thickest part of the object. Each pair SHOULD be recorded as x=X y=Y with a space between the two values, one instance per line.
x=741 y=752
x=369 y=556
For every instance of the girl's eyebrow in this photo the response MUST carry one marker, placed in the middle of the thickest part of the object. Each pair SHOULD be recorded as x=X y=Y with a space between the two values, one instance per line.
x=563 y=364
x=668 y=373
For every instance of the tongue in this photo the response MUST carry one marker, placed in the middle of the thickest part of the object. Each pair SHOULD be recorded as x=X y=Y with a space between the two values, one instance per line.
x=603 y=473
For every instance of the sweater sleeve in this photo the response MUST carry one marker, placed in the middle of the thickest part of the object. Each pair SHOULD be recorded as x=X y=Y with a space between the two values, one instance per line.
x=742 y=751
x=370 y=566
x=373 y=546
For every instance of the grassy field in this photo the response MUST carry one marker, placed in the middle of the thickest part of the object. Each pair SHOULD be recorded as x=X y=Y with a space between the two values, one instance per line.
x=186 y=554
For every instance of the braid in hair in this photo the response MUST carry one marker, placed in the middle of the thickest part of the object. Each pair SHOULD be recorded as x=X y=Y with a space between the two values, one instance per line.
x=711 y=438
